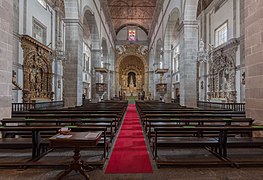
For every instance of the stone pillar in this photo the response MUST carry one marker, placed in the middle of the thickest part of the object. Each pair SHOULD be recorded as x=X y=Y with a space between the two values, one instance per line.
x=188 y=63
x=167 y=76
x=111 y=85
x=253 y=59
x=73 y=87
x=95 y=62
x=16 y=66
x=242 y=50
x=151 y=75
x=6 y=47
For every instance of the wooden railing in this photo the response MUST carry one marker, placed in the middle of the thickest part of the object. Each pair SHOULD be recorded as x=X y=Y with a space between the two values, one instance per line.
x=16 y=107
x=217 y=105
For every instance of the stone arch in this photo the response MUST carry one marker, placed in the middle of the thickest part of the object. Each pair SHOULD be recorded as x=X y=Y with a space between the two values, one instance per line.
x=171 y=32
x=190 y=10
x=90 y=21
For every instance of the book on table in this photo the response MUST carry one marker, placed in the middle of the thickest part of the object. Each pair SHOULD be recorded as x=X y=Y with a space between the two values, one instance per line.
x=62 y=136
x=92 y=135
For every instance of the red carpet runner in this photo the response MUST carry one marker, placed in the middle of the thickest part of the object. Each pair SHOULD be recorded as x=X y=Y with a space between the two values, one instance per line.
x=130 y=154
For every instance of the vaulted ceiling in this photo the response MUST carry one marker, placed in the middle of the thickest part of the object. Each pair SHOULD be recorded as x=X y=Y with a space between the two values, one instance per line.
x=131 y=12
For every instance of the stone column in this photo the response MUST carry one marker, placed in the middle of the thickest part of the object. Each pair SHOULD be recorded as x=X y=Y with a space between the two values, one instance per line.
x=188 y=63
x=73 y=86
x=167 y=76
x=6 y=59
x=95 y=62
x=151 y=75
x=111 y=73
x=253 y=59
x=242 y=49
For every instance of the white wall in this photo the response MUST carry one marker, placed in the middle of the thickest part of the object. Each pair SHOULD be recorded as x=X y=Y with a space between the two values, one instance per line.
x=222 y=15
x=27 y=10
x=34 y=9
x=229 y=11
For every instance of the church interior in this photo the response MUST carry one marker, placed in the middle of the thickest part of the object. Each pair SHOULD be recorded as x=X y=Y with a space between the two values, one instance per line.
x=131 y=89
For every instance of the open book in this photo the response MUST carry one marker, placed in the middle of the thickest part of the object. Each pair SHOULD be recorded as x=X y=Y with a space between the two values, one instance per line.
x=64 y=136
x=92 y=135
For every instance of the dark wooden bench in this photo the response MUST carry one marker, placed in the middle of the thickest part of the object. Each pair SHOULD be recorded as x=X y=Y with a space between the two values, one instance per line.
x=153 y=123
x=171 y=137
x=219 y=144
x=36 y=141
x=110 y=124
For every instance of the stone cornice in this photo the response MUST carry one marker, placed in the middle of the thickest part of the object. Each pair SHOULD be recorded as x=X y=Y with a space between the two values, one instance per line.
x=29 y=39
x=232 y=43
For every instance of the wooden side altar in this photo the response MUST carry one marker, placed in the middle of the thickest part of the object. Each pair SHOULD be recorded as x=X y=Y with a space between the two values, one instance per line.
x=76 y=140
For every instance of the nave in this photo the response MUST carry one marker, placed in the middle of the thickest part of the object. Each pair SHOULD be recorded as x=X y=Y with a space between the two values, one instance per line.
x=129 y=132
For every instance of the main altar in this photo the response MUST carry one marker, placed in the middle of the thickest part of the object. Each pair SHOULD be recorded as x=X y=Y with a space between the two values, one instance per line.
x=131 y=84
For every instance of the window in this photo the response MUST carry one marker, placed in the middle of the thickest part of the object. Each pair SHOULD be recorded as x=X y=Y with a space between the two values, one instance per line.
x=43 y=3
x=86 y=62
x=176 y=59
x=221 y=35
x=39 y=31
x=132 y=36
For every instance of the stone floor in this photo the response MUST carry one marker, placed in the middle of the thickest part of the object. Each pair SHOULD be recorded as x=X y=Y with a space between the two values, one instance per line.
x=158 y=174
x=164 y=173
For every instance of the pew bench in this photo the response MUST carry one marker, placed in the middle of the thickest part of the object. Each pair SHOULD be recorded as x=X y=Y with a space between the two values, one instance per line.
x=36 y=142
x=171 y=137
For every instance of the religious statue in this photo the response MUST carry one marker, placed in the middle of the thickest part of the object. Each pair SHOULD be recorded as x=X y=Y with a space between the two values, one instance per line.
x=131 y=84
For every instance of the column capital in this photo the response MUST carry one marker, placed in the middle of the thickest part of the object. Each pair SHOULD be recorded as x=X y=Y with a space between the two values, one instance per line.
x=188 y=24
x=71 y=22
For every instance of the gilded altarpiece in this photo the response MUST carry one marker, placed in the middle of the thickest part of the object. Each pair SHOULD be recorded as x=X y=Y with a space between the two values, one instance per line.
x=222 y=72
x=37 y=71
x=131 y=70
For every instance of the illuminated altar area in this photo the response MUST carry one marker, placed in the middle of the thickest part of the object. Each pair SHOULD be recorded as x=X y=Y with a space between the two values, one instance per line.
x=131 y=76
x=131 y=84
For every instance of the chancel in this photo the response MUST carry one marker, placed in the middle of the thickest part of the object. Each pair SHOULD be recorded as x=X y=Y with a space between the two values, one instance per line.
x=119 y=89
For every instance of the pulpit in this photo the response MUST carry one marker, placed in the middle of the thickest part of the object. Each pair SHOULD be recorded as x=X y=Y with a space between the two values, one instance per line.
x=161 y=88
x=101 y=88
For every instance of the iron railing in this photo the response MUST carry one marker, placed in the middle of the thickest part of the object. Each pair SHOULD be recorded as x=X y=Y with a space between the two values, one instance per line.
x=218 y=105
x=16 y=107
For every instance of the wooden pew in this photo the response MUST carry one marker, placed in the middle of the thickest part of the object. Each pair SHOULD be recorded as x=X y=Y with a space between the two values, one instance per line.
x=219 y=144
x=153 y=123
x=37 y=141
x=110 y=124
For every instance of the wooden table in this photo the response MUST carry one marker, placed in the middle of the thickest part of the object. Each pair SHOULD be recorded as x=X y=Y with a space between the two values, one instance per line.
x=76 y=140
